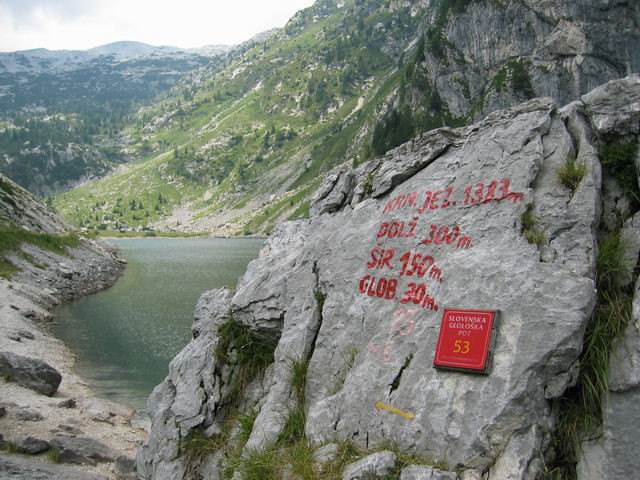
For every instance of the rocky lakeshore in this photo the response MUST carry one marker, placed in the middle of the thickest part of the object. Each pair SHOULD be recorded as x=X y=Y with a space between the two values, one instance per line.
x=51 y=424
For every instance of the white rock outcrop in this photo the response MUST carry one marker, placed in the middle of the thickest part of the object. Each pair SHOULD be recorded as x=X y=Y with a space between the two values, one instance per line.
x=437 y=222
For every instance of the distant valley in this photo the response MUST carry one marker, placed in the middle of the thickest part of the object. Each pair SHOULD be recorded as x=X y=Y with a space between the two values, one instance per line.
x=61 y=112
x=228 y=141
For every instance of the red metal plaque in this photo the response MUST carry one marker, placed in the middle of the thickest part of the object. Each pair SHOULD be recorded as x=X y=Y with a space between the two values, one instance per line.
x=465 y=340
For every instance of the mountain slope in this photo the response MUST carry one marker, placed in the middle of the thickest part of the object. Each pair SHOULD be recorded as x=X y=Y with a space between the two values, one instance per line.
x=61 y=111
x=242 y=146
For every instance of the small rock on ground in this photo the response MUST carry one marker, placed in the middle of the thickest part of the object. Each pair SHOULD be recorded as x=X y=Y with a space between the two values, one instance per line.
x=326 y=453
x=27 y=415
x=375 y=465
x=33 y=446
x=17 y=468
x=416 y=472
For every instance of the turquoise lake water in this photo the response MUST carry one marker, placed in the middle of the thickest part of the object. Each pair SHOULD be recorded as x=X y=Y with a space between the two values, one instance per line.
x=125 y=337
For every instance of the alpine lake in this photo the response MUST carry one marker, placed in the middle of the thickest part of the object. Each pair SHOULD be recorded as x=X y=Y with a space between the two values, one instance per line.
x=125 y=337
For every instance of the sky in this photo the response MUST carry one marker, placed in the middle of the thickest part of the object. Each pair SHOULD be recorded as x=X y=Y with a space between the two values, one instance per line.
x=83 y=24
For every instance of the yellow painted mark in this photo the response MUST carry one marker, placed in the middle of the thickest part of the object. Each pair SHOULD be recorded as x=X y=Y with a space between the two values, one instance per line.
x=383 y=406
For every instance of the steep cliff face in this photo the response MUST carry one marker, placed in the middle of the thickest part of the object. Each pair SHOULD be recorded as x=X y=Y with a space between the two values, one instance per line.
x=476 y=217
x=474 y=57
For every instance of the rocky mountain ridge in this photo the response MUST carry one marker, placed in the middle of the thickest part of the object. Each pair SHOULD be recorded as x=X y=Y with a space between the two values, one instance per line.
x=522 y=212
x=240 y=147
x=41 y=60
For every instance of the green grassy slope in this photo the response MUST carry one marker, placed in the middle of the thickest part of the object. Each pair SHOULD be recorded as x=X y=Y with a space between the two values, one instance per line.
x=255 y=135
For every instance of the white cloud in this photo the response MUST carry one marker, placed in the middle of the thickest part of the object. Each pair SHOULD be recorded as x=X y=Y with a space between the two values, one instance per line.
x=78 y=24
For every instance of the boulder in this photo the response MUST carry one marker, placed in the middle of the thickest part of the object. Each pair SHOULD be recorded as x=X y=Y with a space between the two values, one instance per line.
x=100 y=410
x=125 y=466
x=67 y=429
x=27 y=415
x=33 y=446
x=326 y=453
x=68 y=403
x=18 y=468
x=30 y=373
x=415 y=472
x=82 y=450
x=615 y=106
x=26 y=334
x=374 y=466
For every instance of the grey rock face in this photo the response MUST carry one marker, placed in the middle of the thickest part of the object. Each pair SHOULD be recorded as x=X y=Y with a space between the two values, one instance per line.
x=615 y=106
x=415 y=472
x=341 y=290
x=333 y=193
x=371 y=467
x=189 y=395
x=81 y=450
x=498 y=268
x=19 y=206
x=566 y=49
x=30 y=373
x=630 y=237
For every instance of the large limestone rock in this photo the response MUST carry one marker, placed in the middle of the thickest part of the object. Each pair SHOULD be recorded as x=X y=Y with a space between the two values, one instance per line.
x=467 y=420
x=30 y=373
x=359 y=290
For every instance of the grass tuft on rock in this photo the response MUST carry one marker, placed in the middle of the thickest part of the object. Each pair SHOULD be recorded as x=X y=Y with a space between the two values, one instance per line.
x=367 y=185
x=320 y=298
x=198 y=445
x=619 y=159
x=53 y=454
x=256 y=464
x=249 y=353
x=7 y=269
x=246 y=422
x=571 y=174
x=530 y=229
x=298 y=377
x=11 y=447
x=349 y=358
